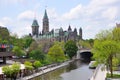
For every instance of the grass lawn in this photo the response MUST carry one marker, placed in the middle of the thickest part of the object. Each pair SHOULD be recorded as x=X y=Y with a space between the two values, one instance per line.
x=114 y=75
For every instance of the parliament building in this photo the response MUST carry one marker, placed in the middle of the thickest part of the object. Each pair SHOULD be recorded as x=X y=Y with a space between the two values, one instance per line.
x=54 y=34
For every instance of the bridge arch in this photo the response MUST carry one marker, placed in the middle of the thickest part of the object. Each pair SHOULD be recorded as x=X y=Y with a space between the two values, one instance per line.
x=84 y=54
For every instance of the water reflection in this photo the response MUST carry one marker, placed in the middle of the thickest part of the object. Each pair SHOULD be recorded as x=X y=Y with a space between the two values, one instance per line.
x=74 y=71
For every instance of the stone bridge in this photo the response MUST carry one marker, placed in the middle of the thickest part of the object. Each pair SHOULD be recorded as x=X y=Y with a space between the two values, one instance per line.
x=84 y=54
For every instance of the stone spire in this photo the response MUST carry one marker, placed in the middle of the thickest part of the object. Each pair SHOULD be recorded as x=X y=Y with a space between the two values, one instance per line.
x=45 y=15
x=45 y=23
x=75 y=30
x=69 y=29
x=80 y=33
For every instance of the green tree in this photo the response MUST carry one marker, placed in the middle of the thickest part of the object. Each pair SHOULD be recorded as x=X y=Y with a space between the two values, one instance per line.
x=88 y=43
x=27 y=41
x=116 y=34
x=14 y=40
x=37 y=55
x=4 y=33
x=71 y=48
x=105 y=51
x=61 y=44
x=33 y=46
x=56 y=54
x=18 y=51
x=106 y=47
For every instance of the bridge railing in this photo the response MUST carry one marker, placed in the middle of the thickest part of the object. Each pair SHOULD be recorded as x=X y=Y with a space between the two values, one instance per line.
x=95 y=72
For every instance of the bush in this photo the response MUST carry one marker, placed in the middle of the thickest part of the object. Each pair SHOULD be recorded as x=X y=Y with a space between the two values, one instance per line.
x=28 y=65
x=37 y=64
x=37 y=55
x=7 y=71
x=11 y=71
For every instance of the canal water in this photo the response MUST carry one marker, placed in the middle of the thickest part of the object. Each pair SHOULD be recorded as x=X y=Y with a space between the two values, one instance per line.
x=76 y=70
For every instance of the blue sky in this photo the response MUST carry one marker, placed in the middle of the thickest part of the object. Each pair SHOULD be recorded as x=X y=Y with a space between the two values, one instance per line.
x=91 y=15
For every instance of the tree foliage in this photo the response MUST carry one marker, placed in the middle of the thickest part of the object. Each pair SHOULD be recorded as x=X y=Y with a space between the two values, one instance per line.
x=116 y=34
x=88 y=43
x=27 y=41
x=18 y=51
x=56 y=53
x=11 y=71
x=28 y=65
x=106 y=47
x=37 y=64
x=60 y=44
x=33 y=46
x=37 y=55
x=4 y=33
x=71 y=48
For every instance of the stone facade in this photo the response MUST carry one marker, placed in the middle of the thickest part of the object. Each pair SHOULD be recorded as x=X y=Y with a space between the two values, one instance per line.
x=54 y=35
x=118 y=25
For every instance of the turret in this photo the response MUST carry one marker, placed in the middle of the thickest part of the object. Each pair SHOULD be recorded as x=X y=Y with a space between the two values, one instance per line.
x=80 y=33
x=75 y=31
x=35 y=28
x=69 y=29
x=61 y=32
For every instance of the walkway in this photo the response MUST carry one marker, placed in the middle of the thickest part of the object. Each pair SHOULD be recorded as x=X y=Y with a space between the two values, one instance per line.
x=99 y=74
x=44 y=71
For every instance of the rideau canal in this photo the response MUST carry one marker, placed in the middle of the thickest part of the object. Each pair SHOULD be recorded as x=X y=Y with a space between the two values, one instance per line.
x=76 y=70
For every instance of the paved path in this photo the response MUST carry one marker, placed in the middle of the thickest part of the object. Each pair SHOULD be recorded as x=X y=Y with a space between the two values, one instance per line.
x=44 y=71
x=99 y=74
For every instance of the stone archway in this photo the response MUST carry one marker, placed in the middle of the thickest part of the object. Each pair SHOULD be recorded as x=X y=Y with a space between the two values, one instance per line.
x=84 y=55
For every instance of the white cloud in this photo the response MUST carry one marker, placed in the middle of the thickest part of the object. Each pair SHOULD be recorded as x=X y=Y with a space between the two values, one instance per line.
x=26 y=15
x=1 y=24
x=98 y=15
x=74 y=13
x=94 y=8
x=23 y=31
x=8 y=2
x=52 y=13
x=92 y=17
x=102 y=2
x=15 y=26
x=5 y=21
x=110 y=13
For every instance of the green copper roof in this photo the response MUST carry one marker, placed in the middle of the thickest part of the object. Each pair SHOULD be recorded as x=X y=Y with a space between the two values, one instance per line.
x=66 y=34
x=45 y=15
x=35 y=23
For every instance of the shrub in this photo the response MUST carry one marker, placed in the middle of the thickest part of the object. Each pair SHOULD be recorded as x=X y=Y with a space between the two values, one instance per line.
x=37 y=64
x=11 y=71
x=28 y=65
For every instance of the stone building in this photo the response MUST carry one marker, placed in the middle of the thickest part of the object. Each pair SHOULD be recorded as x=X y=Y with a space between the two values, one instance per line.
x=54 y=34
x=117 y=25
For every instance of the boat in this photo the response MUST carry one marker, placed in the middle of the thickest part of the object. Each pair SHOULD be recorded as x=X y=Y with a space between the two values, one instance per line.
x=92 y=65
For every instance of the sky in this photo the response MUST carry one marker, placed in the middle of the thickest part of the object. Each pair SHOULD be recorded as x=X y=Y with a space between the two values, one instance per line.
x=91 y=15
